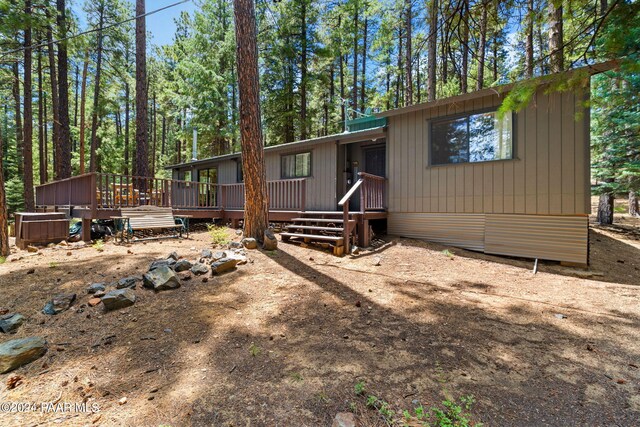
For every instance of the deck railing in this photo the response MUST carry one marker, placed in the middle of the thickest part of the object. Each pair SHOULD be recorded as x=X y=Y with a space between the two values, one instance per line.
x=372 y=197
x=111 y=191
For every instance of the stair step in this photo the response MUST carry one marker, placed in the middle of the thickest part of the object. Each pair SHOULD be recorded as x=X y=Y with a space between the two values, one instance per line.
x=332 y=213
x=337 y=239
x=325 y=220
x=314 y=227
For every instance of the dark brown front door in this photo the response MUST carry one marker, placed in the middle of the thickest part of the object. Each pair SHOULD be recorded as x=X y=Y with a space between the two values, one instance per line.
x=375 y=160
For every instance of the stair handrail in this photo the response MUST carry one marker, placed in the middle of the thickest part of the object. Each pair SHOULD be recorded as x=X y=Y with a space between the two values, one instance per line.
x=344 y=202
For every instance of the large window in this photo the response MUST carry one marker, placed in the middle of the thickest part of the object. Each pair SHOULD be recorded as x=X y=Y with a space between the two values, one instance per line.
x=296 y=165
x=472 y=138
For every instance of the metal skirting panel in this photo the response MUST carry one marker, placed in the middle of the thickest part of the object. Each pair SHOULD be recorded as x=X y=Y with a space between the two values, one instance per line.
x=461 y=230
x=557 y=238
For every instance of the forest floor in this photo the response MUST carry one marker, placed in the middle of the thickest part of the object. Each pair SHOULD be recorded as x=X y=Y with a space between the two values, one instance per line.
x=283 y=340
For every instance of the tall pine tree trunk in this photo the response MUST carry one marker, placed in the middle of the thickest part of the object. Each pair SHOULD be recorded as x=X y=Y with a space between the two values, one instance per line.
x=431 y=50
x=18 y=118
x=54 y=96
x=354 y=95
x=528 y=60
x=482 y=44
x=363 y=80
x=63 y=151
x=93 y=158
x=303 y=70
x=127 y=110
x=464 y=68
x=256 y=208
x=142 y=134
x=408 y=70
x=4 y=220
x=556 y=49
x=634 y=209
x=83 y=103
x=605 y=208
x=29 y=202
x=41 y=136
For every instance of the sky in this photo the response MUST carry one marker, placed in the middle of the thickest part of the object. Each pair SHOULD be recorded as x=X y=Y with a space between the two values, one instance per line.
x=161 y=25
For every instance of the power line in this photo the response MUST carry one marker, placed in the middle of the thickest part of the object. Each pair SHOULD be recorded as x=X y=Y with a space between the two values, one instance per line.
x=93 y=30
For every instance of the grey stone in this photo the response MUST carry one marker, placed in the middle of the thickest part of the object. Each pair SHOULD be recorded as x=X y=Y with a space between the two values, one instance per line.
x=223 y=265
x=270 y=241
x=96 y=287
x=161 y=279
x=174 y=256
x=206 y=253
x=127 y=282
x=59 y=303
x=235 y=245
x=11 y=322
x=99 y=294
x=19 y=352
x=355 y=250
x=169 y=262
x=218 y=256
x=249 y=243
x=118 y=298
x=199 y=269
x=182 y=265
x=344 y=419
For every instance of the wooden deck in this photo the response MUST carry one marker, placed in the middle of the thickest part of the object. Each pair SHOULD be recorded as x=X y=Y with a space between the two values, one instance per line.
x=102 y=196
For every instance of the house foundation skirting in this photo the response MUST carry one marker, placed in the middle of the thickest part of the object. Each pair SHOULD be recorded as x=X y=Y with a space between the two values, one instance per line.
x=551 y=237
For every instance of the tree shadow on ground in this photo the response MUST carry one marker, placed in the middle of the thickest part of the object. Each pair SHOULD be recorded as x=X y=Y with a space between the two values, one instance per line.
x=610 y=260
x=282 y=342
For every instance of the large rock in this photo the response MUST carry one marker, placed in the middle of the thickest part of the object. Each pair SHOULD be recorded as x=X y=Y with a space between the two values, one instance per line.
x=96 y=287
x=182 y=265
x=218 y=256
x=249 y=243
x=161 y=279
x=127 y=282
x=118 y=298
x=199 y=269
x=270 y=241
x=59 y=303
x=206 y=253
x=174 y=256
x=16 y=353
x=169 y=262
x=235 y=245
x=11 y=322
x=344 y=419
x=223 y=265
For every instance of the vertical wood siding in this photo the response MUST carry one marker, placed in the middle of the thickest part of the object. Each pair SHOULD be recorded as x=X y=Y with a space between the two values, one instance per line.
x=321 y=185
x=548 y=175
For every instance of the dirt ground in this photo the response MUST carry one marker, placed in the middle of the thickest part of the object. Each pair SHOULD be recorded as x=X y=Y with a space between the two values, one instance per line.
x=283 y=340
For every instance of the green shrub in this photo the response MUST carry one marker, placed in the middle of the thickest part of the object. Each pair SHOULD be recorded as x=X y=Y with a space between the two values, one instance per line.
x=219 y=234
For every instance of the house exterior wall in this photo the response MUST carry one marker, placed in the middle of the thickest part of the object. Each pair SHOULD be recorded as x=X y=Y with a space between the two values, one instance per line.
x=548 y=176
x=321 y=185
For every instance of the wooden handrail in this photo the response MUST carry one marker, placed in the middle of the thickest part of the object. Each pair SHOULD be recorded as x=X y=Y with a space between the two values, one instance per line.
x=349 y=193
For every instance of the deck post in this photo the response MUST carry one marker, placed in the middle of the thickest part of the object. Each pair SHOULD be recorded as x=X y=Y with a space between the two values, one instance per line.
x=346 y=233
x=364 y=237
x=303 y=195
x=86 y=229
x=94 y=202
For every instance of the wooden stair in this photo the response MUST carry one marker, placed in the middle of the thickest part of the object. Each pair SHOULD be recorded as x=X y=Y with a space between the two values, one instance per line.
x=320 y=226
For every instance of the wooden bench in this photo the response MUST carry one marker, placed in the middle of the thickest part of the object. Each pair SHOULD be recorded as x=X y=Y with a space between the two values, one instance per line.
x=151 y=218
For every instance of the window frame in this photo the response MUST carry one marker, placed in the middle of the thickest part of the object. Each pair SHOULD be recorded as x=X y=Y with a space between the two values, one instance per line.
x=282 y=156
x=430 y=123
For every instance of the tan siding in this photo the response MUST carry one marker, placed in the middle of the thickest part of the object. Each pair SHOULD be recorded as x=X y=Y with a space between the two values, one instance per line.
x=321 y=186
x=549 y=174
x=559 y=238
x=462 y=230
x=227 y=172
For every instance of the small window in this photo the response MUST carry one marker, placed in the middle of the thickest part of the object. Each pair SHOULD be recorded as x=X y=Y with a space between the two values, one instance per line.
x=296 y=165
x=474 y=138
